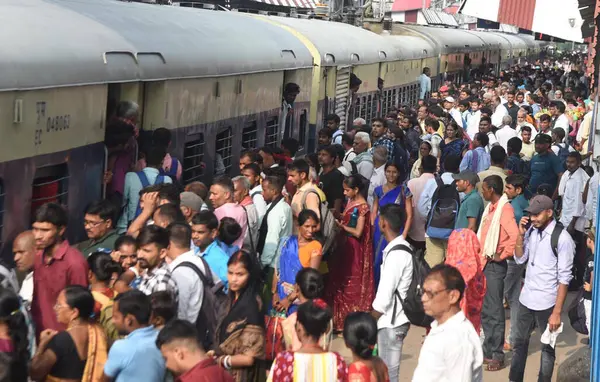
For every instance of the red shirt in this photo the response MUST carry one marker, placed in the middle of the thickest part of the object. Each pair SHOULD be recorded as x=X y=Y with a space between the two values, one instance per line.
x=66 y=267
x=206 y=371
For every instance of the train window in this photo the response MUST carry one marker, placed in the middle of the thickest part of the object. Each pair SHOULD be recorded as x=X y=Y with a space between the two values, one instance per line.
x=303 y=124
x=193 y=156
x=249 y=135
x=271 y=132
x=370 y=110
x=2 y=209
x=50 y=185
x=224 y=151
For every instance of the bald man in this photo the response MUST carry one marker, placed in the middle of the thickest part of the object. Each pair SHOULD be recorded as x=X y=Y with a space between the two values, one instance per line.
x=24 y=252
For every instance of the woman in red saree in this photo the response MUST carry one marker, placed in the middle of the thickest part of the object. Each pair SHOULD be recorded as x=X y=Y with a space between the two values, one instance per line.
x=463 y=254
x=350 y=287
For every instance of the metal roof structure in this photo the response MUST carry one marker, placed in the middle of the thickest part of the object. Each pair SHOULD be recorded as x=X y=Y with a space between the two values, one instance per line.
x=434 y=17
x=492 y=40
x=413 y=47
x=340 y=43
x=447 y=40
x=52 y=43
x=514 y=40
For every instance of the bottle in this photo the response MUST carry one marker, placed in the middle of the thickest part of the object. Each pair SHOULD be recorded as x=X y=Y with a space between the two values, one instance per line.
x=353 y=218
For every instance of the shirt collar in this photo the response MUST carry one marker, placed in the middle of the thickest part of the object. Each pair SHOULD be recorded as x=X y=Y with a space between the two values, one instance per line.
x=59 y=252
x=246 y=201
x=180 y=259
x=151 y=273
x=397 y=241
x=141 y=331
x=196 y=369
x=453 y=321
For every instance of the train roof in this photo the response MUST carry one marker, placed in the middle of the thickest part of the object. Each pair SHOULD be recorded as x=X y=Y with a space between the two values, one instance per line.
x=514 y=40
x=340 y=43
x=52 y=43
x=491 y=39
x=447 y=40
x=413 y=47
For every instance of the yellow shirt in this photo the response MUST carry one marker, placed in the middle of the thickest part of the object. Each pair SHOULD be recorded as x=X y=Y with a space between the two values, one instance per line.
x=528 y=150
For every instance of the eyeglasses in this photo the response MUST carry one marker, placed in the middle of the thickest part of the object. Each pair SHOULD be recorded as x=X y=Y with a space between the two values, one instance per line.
x=92 y=224
x=430 y=294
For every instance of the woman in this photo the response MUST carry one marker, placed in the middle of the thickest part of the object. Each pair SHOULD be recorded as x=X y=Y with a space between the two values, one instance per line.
x=391 y=192
x=14 y=344
x=350 y=287
x=78 y=353
x=463 y=253
x=309 y=286
x=241 y=333
x=310 y=362
x=424 y=150
x=360 y=336
x=296 y=252
x=453 y=144
x=101 y=270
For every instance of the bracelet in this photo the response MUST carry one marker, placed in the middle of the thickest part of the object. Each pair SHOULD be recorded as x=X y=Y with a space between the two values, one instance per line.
x=227 y=362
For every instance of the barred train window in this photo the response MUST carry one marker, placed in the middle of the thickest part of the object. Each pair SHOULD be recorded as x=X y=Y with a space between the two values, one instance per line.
x=50 y=185
x=224 y=150
x=303 y=124
x=193 y=156
x=271 y=132
x=249 y=135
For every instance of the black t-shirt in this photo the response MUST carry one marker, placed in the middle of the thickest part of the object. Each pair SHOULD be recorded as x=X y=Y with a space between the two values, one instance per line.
x=331 y=185
x=587 y=276
x=68 y=364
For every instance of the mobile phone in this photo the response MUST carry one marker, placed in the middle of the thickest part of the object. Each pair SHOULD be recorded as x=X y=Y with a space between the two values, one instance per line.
x=528 y=224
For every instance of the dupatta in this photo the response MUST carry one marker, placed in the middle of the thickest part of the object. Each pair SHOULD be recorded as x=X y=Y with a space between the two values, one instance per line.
x=288 y=267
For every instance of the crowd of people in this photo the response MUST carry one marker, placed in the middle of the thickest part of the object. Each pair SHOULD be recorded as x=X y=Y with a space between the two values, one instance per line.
x=440 y=215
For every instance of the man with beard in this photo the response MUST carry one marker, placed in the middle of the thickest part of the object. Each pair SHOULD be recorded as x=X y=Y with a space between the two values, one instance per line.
x=135 y=357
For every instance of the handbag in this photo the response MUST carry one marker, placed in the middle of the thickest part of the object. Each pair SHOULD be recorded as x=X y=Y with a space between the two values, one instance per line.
x=577 y=314
x=274 y=334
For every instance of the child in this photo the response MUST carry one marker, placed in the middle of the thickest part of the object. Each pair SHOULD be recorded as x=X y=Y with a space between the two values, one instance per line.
x=229 y=232
x=588 y=276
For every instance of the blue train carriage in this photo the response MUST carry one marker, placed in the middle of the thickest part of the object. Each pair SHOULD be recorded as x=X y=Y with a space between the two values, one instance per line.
x=214 y=78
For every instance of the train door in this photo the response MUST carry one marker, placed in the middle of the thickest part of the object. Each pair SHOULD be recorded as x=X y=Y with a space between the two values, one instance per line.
x=343 y=99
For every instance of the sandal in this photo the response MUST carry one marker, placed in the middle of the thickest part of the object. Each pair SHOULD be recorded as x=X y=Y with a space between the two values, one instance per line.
x=487 y=360
x=495 y=365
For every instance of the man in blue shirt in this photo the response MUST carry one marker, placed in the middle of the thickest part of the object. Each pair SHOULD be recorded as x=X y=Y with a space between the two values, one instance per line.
x=514 y=188
x=425 y=83
x=478 y=159
x=545 y=167
x=205 y=229
x=135 y=357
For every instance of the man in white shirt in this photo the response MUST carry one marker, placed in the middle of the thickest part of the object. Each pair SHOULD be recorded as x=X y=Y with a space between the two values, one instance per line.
x=506 y=132
x=472 y=118
x=241 y=195
x=378 y=177
x=24 y=254
x=252 y=173
x=485 y=127
x=499 y=111
x=559 y=120
x=363 y=159
x=425 y=83
x=449 y=106
x=396 y=277
x=452 y=349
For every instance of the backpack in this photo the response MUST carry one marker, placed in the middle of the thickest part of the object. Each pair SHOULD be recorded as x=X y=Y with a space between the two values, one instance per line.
x=328 y=227
x=401 y=160
x=558 y=228
x=444 y=210
x=412 y=304
x=576 y=314
x=563 y=153
x=172 y=173
x=160 y=179
x=214 y=305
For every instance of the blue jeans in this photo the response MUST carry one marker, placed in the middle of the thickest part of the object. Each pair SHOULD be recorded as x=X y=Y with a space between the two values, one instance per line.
x=389 y=346
x=512 y=292
x=524 y=327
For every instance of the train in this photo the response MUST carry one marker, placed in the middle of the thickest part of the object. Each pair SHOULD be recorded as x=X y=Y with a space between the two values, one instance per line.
x=214 y=78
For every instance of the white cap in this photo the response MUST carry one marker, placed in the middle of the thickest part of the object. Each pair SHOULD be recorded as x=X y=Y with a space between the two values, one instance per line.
x=449 y=99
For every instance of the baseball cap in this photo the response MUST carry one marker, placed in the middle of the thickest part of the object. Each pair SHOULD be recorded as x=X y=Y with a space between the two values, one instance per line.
x=449 y=99
x=468 y=175
x=444 y=88
x=543 y=138
x=191 y=201
x=539 y=203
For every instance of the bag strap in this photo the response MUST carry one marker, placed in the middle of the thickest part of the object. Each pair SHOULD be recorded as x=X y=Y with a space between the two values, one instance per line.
x=318 y=197
x=558 y=228
x=354 y=167
x=143 y=179
x=399 y=247
x=249 y=233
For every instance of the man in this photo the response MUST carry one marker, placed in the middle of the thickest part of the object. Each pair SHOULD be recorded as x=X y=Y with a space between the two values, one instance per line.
x=331 y=179
x=534 y=101
x=432 y=126
x=268 y=158
x=559 y=120
x=252 y=172
x=485 y=127
x=167 y=214
x=363 y=159
x=514 y=188
x=571 y=190
x=424 y=83
x=290 y=92
x=559 y=147
x=241 y=195
x=514 y=163
x=545 y=167
x=338 y=161
x=136 y=181
x=511 y=106
x=436 y=248
x=24 y=256
x=171 y=166
x=522 y=122
x=449 y=106
x=471 y=206
x=246 y=158
x=548 y=267
x=396 y=276
x=349 y=154
x=472 y=118
x=190 y=205
x=57 y=265
x=528 y=147
x=452 y=349
x=497 y=236
x=499 y=111
x=332 y=122
x=199 y=189
x=378 y=177
x=416 y=235
x=98 y=223
x=379 y=134
x=185 y=357
x=412 y=136
x=277 y=224
x=221 y=197
x=506 y=132
x=498 y=161
x=477 y=159
x=545 y=125
x=134 y=358
x=182 y=261
x=125 y=253
x=325 y=136
x=205 y=228
x=422 y=114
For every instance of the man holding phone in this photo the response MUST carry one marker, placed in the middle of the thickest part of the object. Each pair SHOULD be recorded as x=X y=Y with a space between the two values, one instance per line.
x=546 y=283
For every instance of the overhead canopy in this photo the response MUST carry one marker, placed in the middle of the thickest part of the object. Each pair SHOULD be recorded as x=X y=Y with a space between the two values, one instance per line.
x=557 y=18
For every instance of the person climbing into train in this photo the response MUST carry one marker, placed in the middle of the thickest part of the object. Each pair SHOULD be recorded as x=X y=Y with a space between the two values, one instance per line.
x=171 y=166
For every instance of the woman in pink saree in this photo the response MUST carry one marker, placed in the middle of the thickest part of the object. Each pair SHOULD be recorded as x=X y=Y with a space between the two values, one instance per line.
x=351 y=287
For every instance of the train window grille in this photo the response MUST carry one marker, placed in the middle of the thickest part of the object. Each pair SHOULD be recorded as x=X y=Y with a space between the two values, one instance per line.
x=250 y=135
x=2 y=208
x=224 y=147
x=271 y=132
x=370 y=108
x=193 y=159
x=50 y=185
x=302 y=130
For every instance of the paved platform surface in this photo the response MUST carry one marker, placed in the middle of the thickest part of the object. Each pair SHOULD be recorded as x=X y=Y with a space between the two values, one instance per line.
x=568 y=341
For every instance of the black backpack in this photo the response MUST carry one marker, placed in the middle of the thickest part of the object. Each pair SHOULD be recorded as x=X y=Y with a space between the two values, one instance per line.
x=401 y=160
x=563 y=153
x=412 y=304
x=214 y=305
x=444 y=210
x=576 y=314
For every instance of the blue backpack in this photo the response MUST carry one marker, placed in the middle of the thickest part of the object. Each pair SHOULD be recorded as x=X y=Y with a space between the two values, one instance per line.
x=563 y=153
x=172 y=173
x=160 y=179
